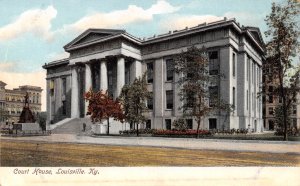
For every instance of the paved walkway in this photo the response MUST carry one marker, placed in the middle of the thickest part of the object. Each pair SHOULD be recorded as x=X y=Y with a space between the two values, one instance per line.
x=186 y=143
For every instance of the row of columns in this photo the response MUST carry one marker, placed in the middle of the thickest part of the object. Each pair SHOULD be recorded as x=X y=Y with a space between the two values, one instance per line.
x=103 y=81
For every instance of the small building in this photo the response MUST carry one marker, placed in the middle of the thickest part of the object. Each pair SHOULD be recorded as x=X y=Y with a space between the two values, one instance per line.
x=108 y=59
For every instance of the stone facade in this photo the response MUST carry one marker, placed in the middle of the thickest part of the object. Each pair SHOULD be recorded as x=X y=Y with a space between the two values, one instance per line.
x=109 y=59
x=3 y=113
x=271 y=102
x=13 y=101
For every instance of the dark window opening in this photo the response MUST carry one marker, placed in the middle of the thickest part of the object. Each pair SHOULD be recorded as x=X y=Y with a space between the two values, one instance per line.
x=150 y=72
x=168 y=124
x=189 y=123
x=213 y=63
x=150 y=102
x=169 y=99
x=213 y=96
x=170 y=69
x=212 y=123
x=148 y=124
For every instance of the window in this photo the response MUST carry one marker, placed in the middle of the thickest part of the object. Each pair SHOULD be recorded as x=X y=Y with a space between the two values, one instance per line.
x=247 y=68
x=64 y=86
x=148 y=124
x=170 y=69
x=253 y=72
x=150 y=102
x=150 y=72
x=270 y=98
x=127 y=73
x=233 y=64
x=168 y=124
x=51 y=87
x=190 y=99
x=233 y=96
x=280 y=99
x=169 y=99
x=64 y=108
x=295 y=122
x=271 y=111
x=213 y=63
x=247 y=100
x=212 y=123
x=189 y=123
x=294 y=109
x=213 y=96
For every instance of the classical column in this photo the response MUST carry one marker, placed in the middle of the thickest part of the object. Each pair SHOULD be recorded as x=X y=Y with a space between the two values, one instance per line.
x=88 y=83
x=103 y=76
x=75 y=93
x=136 y=70
x=120 y=75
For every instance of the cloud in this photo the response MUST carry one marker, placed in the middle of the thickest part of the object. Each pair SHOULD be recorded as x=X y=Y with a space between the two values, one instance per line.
x=7 y=66
x=37 y=21
x=132 y=14
x=16 y=79
x=180 y=22
x=246 y=18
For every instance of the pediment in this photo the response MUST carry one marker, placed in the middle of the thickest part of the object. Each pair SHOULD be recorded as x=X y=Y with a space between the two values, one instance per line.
x=255 y=32
x=92 y=35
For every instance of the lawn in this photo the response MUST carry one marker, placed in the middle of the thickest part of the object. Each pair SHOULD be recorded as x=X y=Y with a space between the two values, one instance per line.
x=63 y=154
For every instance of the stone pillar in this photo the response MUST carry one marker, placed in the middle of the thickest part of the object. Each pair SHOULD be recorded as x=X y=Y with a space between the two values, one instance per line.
x=88 y=83
x=120 y=76
x=136 y=71
x=75 y=93
x=103 y=76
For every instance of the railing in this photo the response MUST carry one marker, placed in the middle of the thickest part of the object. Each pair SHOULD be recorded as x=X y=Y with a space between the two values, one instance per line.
x=10 y=132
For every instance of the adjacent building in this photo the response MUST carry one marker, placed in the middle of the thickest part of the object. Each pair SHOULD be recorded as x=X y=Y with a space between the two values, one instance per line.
x=3 y=113
x=12 y=101
x=108 y=59
x=271 y=101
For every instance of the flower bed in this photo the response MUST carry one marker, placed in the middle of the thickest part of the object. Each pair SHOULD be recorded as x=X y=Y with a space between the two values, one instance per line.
x=181 y=133
x=141 y=131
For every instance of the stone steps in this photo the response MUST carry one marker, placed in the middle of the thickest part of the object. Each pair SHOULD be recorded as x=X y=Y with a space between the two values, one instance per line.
x=73 y=126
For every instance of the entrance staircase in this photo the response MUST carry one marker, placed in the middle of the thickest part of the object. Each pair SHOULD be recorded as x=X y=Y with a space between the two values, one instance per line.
x=71 y=126
x=75 y=126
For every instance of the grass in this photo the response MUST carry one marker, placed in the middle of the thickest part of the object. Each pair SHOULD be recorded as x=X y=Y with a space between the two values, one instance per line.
x=64 y=154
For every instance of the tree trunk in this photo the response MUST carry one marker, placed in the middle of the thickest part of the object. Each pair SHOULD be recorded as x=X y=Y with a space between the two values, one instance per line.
x=198 y=127
x=137 y=129
x=284 y=106
x=107 y=126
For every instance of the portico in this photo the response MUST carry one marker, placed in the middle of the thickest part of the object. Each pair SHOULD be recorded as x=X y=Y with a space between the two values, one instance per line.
x=102 y=74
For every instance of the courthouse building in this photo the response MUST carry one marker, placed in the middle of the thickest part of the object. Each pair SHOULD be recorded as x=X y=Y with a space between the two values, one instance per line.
x=108 y=59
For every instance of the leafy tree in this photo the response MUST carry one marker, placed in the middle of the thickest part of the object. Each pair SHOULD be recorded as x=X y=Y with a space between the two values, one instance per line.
x=279 y=117
x=179 y=124
x=102 y=106
x=41 y=119
x=197 y=90
x=133 y=98
x=283 y=33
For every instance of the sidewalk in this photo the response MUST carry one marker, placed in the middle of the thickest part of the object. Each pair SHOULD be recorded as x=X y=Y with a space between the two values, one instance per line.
x=186 y=143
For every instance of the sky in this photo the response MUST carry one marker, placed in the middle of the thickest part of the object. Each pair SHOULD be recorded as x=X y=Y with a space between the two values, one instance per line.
x=33 y=32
